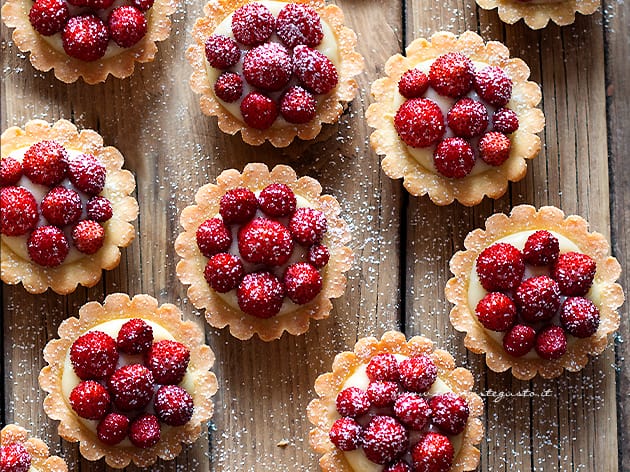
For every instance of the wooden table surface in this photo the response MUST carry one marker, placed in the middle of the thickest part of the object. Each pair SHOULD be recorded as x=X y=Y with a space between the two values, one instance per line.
x=402 y=243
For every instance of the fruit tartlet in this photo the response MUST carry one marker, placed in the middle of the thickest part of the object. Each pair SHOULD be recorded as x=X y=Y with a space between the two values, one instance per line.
x=537 y=13
x=395 y=406
x=455 y=118
x=273 y=70
x=65 y=206
x=535 y=292
x=129 y=380
x=263 y=252
x=19 y=453
x=88 y=38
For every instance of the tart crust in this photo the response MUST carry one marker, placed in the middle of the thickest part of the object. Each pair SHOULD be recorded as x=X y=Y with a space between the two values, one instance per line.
x=321 y=411
x=40 y=457
x=523 y=218
x=119 y=232
x=399 y=163
x=329 y=110
x=116 y=306
x=190 y=269
x=68 y=69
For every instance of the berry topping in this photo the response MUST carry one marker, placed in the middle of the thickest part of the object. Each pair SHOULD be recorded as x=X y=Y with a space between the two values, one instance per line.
x=131 y=387
x=579 y=316
x=88 y=236
x=298 y=105
x=49 y=16
x=277 y=200
x=222 y=52
x=496 y=312
x=253 y=24
x=173 y=405
x=144 y=432
x=10 y=171
x=316 y=72
x=382 y=367
x=352 y=402
x=15 y=458
x=500 y=267
x=551 y=343
x=519 y=340
x=454 y=158
x=85 y=38
x=504 y=121
x=345 y=434
x=538 y=298
x=94 y=356
x=302 y=282
x=413 y=83
x=268 y=67
x=467 y=118
x=224 y=272
x=308 y=226
x=260 y=294
x=318 y=255
x=419 y=122
x=433 y=453
x=399 y=466
x=449 y=412
x=265 y=241
x=93 y=4
x=258 y=110
x=384 y=440
x=90 y=400
x=452 y=74
x=493 y=85
x=494 y=148
x=134 y=337
x=99 y=209
x=412 y=410
x=574 y=273
x=213 y=237
x=61 y=206
x=18 y=211
x=45 y=163
x=87 y=174
x=541 y=248
x=382 y=394
x=168 y=361
x=48 y=246
x=417 y=374
x=238 y=205
x=299 y=24
x=229 y=87
x=127 y=25
x=143 y=5
x=113 y=429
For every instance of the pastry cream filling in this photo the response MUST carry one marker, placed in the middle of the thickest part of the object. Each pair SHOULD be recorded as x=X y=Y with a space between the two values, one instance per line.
x=328 y=47
x=357 y=459
x=70 y=380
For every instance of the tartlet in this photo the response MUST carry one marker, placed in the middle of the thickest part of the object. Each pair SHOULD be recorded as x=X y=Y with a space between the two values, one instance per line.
x=278 y=77
x=455 y=118
x=66 y=206
x=103 y=374
x=20 y=453
x=263 y=251
x=537 y=13
x=535 y=292
x=433 y=409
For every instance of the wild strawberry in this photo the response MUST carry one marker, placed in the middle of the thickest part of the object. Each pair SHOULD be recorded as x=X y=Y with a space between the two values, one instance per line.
x=419 y=122
x=412 y=410
x=168 y=361
x=15 y=457
x=90 y=400
x=94 y=356
x=454 y=158
x=277 y=199
x=541 y=248
x=92 y=4
x=113 y=429
x=253 y=24
x=258 y=110
x=131 y=387
x=224 y=272
x=260 y=294
x=144 y=432
x=265 y=241
x=213 y=237
x=229 y=87
x=494 y=148
x=308 y=226
x=10 y=171
x=62 y=206
x=45 y=163
x=142 y=5
x=580 y=317
x=574 y=273
x=88 y=236
x=384 y=440
x=345 y=434
x=538 y=298
x=519 y=340
x=353 y=402
x=299 y=24
x=496 y=312
x=413 y=83
x=398 y=466
x=452 y=74
x=302 y=282
x=222 y=52
x=18 y=211
x=318 y=255
x=316 y=72
x=493 y=85
x=551 y=343
x=504 y=121
x=268 y=67
x=127 y=25
x=99 y=209
x=467 y=118
x=432 y=453
x=238 y=205
x=383 y=367
x=85 y=37
x=134 y=337
x=87 y=174
x=449 y=412
x=48 y=246
x=382 y=394
x=500 y=267
x=417 y=374
x=298 y=105
x=48 y=16
x=173 y=405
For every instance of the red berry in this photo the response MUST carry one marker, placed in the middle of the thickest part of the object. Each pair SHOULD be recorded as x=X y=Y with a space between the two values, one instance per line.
x=345 y=434
x=382 y=394
x=299 y=24
x=127 y=25
x=260 y=294
x=384 y=440
x=268 y=67
x=253 y=24
x=449 y=412
x=541 y=248
x=298 y=105
x=452 y=74
x=258 y=110
x=143 y=5
x=85 y=37
x=168 y=361
x=222 y=52
x=238 y=205
x=383 y=367
x=18 y=211
x=494 y=148
x=92 y=4
x=413 y=83
x=173 y=405
x=493 y=85
x=277 y=200
x=580 y=317
x=113 y=429
x=49 y=16
x=399 y=466
x=61 y=206
x=417 y=374
x=213 y=237
x=10 y=170
x=48 y=246
x=134 y=337
x=496 y=312
x=45 y=163
x=432 y=453
x=88 y=236
x=318 y=255
x=94 y=356
x=99 y=209
x=538 y=298
x=574 y=273
x=14 y=457
x=467 y=118
x=519 y=340
x=90 y=400
x=419 y=122
x=87 y=174
x=224 y=272
x=500 y=267
x=131 y=387
x=454 y=158
x=308 y=226
x=551 y=343
x=353 y=402
x=144 y=432
x=265 y=241
x=504 y=121
x=229 y=87
x=316 y=72
x=302 y=282
x=412 y=410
